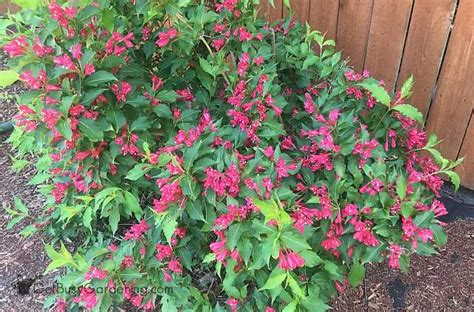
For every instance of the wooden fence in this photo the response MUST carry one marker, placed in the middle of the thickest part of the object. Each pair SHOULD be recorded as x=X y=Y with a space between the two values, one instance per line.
x=431 y=39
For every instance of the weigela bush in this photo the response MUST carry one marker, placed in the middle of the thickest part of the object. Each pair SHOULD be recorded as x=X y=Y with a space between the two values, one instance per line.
x=193 y=147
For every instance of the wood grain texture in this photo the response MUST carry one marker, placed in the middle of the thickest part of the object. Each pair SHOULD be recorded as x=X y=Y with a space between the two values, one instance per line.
x=427 y=37
x=323 y=16
x=353 y=30
x=302 y=9
x=387 y=35
x=466 y=169
x=454 y=100
x=277 y=12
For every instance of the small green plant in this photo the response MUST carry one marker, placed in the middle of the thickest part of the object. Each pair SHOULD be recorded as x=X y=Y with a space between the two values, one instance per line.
x=193 y=146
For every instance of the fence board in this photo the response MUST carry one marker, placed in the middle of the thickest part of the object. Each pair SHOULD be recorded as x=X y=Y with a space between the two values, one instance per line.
x=453 y=102
x=390 y=19
x=353 y=29
x=466 y=169
x=429 y=28
x=323 y=16
x=302 y=9
x=277 y=12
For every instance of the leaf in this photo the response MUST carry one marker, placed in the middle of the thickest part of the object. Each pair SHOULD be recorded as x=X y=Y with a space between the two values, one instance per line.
x=138 y=171
x=409 y=111
x=7 y=78
x=357 y=274
x=439 y=235
x=331 y=268
x=274 y=281
x=114 y=219
x=133 y=204
x=167 y=96
x=233 y=235
x=99 y=77
x=163 y=111
x=142 y=123
x=378 y=92
x=169 y=226
x=401 y=187
x=117 y=118
x=295 y=242
x=208 y=68
x=291 y=307
x=19 y=205
x=87 y=218
x=424 y=219
x=89 y=128
x=454 y=178
x=407 y=88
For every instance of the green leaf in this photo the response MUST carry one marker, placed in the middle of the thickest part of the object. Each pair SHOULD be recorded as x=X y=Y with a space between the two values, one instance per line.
x=378 y=92
x=90 y=129
x=233 y=235
x=142 y=123
x=169 y=226
x=407 y=88
x=207 y=67
x=167 y=96
x=409 y=111
x=163 y=111
x=138 y=171
x=357 y=274
x=19 y=205
x=87 y=218
x=294 y=242
x=132 y=203
x=114 y=219
x=454 y=178
x=401 y=187
x=99 y=77
x=274 y=281
x=7 y=78
x=291 y=307
x=439 y=235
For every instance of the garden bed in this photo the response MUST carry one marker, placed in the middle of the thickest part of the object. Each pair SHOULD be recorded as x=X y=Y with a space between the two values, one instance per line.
x=442 y=282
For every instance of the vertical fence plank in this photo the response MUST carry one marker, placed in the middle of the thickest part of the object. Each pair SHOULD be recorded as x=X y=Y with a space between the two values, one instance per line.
x=387 y=35
x=302 y=9
x=277 y=12
x=466 y=169
x=323 y=16
x=429 y=28
x=454 y=100
x=353 y=29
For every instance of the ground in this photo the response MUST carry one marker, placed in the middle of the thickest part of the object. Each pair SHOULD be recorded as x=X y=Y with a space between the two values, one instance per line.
x=440 y=283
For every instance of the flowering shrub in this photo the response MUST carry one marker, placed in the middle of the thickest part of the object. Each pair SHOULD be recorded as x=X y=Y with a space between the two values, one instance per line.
x=191 y=145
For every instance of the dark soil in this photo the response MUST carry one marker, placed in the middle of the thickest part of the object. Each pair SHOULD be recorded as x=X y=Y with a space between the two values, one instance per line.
x=441 y=283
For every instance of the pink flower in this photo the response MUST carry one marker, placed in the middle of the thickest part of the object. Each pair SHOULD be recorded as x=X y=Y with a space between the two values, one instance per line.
x=149 y=305
x=424 y=234
x=95 y=272
x=350 y=210
x=136 y=301
x=163 y=252
x=50 y=117
x=165 y=37
x=290 y=261
x=89 y=69
x=16 y=47
x=157 y=82
x=65 y=61
x=233 y=303
x=121 y=90
x=175 y=266
x=88 y=297
x=41 y=50
x=136 y=230
x=76 y=51
x=394 y=259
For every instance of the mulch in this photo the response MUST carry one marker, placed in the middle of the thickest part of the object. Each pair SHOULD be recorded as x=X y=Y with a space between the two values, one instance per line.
x=444 y=282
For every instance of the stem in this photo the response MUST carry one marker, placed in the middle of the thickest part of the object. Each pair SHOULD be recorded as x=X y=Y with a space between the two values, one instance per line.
x=381 y=119
x=212 y=55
